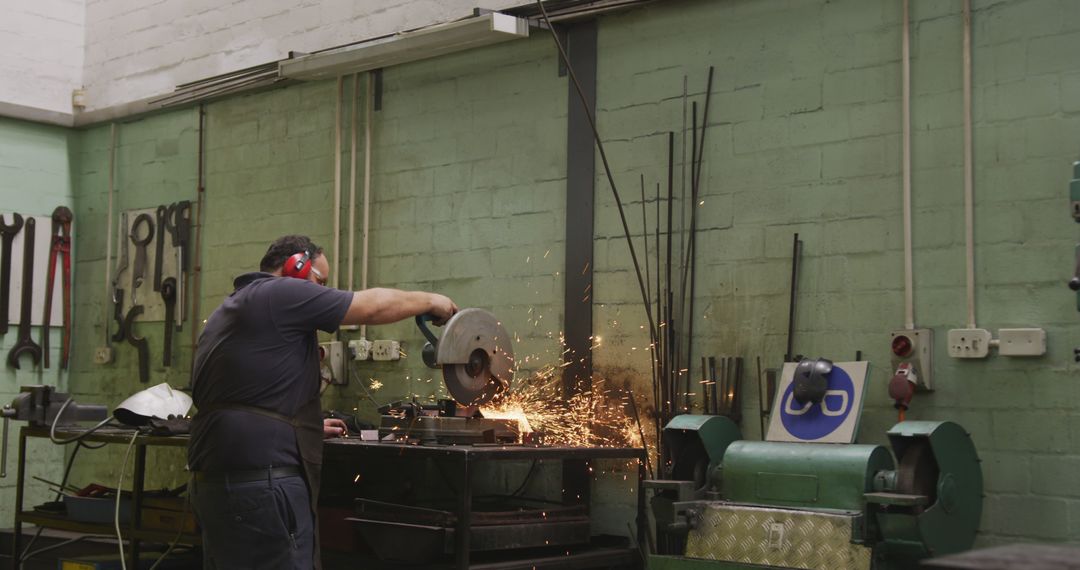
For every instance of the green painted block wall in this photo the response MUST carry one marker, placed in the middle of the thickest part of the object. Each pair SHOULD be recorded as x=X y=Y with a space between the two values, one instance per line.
x=468 y=189
x=155 y=164
x=805 y=137
x=35 y=177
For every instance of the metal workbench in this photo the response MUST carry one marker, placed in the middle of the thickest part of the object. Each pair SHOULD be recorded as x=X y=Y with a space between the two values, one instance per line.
x=575 y=487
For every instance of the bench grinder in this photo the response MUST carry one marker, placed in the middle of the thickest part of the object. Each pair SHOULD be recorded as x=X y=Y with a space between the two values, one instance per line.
x=733 y=503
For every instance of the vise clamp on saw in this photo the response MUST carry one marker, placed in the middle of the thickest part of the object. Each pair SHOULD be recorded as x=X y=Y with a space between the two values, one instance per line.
x=474 y=353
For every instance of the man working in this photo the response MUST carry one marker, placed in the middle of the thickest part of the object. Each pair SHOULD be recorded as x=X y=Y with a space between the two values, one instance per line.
x=256 y=442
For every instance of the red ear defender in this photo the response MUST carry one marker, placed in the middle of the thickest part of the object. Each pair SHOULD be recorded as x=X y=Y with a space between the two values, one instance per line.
x=298 y=266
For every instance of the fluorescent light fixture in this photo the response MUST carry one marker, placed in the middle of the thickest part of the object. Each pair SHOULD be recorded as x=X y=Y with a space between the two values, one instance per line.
x=424 y=43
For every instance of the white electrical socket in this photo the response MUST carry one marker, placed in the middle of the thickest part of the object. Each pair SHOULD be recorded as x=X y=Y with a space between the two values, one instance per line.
x=1021 y=342
x=103 y=355
x=383 y=350
x=360 y=349
x=969 y=343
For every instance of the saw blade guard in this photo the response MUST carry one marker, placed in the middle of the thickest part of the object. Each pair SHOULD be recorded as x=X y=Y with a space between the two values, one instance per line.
x=476 y=355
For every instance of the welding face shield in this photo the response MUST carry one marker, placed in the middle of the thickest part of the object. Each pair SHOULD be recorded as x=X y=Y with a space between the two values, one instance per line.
x=159 y=401
x=812 y=380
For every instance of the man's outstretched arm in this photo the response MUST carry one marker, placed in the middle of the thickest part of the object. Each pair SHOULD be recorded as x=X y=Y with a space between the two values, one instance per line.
x=379 y=306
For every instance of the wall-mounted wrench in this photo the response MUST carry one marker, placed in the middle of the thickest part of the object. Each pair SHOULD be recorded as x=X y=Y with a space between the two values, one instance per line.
x=8 y=233
x=159 y=245
x=138 y=272
x=182 y=222
x=138 y=342
x=25 y=344
x=117 y=292
x=168 y=294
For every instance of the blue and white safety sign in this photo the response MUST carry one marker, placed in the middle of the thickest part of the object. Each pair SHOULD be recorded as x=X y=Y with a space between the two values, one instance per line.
x=833 y=420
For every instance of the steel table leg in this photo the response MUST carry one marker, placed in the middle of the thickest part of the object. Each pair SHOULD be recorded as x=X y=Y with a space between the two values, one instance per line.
x=642 y=521
x=136 y=501
x=464 y=517
x=16 y=537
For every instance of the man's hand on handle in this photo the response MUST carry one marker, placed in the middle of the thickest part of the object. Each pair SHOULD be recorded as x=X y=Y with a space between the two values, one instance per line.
x=333 y=427
x=442 y=308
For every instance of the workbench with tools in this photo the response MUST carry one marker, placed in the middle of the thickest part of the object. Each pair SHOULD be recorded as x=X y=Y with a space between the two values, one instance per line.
x=445 y=445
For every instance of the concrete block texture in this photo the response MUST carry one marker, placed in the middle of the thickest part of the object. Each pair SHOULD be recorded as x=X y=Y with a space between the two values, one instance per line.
x=469 y=196
x=45 y=45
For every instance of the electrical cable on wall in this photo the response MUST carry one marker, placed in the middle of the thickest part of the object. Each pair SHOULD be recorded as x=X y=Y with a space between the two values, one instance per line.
x=969 y=174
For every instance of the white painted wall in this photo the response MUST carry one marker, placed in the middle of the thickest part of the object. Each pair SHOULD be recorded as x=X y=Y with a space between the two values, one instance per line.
x=42 y=44
x=138 y=48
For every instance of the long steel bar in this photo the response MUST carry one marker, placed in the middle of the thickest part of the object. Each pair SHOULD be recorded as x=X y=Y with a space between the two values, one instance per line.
x=668 y=297
x=695 y=191
x=789 y=356
x=603 y=159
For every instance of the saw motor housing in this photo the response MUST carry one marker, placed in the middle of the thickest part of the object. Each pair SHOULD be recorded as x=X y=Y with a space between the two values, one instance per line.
x=475 y=354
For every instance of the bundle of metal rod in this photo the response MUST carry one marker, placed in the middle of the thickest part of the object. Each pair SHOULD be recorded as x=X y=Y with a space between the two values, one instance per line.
x=676 y=273
x=642 y=284
x=218 y=86
x=721 y=386
x=666 y=339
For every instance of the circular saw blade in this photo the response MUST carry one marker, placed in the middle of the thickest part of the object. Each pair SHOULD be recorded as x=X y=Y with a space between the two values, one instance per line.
x=476 y=356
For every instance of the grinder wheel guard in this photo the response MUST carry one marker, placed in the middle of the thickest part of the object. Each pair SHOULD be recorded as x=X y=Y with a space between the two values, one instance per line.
x=476 y=356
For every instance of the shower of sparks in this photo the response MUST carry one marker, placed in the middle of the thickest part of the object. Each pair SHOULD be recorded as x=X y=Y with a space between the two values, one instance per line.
x=375 y=384
x=599 y=416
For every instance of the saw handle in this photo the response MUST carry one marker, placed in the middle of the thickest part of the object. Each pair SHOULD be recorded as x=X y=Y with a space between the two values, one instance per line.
x=421 y=321
x=428 y=354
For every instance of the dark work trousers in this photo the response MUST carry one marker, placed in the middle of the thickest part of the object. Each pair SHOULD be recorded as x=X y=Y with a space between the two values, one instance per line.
x=257 y=524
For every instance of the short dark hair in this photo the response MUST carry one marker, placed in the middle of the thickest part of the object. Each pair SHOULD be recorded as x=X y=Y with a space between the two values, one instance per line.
x=283 y=248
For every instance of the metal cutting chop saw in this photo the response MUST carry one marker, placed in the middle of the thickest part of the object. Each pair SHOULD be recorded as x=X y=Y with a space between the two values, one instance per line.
x=476 y=357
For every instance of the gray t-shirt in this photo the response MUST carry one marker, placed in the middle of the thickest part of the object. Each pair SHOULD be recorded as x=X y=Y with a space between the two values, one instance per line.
x=259 y=348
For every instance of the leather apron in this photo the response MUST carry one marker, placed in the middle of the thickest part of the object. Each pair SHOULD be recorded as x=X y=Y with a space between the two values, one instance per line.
x=307 y=427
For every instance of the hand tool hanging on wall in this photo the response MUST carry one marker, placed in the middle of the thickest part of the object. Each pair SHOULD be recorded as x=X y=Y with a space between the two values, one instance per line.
x=118 y=293
x=138 y=272
x=174 y=216
x=60 y=246
x=25 y=344
x=159 y=245
x=138 y=342
x=8 y=233
x=182 y=237
x=168 y=294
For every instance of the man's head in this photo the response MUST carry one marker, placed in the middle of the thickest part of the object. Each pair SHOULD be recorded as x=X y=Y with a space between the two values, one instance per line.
x=285 y=247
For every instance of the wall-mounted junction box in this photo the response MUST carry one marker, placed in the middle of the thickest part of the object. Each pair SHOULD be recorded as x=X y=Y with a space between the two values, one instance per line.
x=969 y=343
x=360 y=349
x=1021 y=342
x=914 y=347
x=386 y=350
x=976 y=343
x=332 y=362
x=103 y=355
